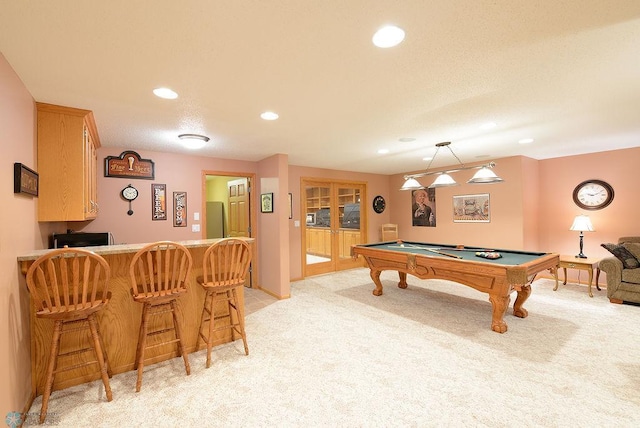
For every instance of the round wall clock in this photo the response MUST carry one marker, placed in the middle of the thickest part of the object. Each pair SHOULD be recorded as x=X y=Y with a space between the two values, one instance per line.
x=593 y=194
x=129 y=193
x=379 y=204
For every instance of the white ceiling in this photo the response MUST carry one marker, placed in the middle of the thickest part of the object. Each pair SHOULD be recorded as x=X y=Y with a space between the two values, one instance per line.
x=566 y=73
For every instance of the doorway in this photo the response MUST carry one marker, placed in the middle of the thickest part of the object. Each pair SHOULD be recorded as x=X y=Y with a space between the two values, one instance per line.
x=227 y=209
x=333 y=221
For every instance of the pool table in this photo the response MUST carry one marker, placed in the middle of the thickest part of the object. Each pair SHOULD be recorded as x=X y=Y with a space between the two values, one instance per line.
x=514 y=270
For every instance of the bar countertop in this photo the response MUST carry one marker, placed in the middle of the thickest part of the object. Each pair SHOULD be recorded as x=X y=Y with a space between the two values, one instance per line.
x=104 y=250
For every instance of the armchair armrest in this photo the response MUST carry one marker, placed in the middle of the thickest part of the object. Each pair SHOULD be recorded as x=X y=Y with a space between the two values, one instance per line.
x=613 y=268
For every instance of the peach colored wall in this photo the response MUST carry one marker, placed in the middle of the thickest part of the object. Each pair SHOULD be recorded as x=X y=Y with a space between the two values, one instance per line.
x=376 y=185
x=272 y=232
x=531 y=203
x=179 y=172
x=558 y=178
x=506 y=228
x=19 y=233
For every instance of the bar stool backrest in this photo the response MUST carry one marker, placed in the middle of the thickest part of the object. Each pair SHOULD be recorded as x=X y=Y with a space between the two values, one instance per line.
x=160 y=268
x=226 y=263
x=67 y=280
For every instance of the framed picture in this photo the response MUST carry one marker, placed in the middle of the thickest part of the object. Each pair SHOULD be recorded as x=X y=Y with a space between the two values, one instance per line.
x=266 y=202
x=25 y=180
x=158 y=201
x=179 y=209
x=290 y=205
x=471 y=208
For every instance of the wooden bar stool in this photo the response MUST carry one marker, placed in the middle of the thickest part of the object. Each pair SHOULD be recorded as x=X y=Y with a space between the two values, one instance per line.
x=159 y=274
x=69 y=286
x=224 y=267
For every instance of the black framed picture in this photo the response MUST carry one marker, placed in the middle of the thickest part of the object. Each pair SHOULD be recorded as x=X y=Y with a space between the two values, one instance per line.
x=25 y=180
x=266 y=202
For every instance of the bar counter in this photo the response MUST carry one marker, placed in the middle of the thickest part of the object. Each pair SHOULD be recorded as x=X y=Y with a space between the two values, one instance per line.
x=119 y=322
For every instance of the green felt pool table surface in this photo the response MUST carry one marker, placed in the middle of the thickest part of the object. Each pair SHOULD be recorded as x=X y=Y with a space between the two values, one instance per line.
x=508 y=257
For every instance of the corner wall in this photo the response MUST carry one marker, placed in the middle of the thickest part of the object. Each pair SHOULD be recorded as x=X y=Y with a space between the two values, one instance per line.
x=19 y=233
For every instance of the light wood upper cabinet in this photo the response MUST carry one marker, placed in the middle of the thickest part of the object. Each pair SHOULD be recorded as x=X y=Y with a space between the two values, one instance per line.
x=67 y=164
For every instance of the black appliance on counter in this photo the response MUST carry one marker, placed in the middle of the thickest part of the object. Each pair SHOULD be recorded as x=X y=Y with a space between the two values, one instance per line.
x=78 y=239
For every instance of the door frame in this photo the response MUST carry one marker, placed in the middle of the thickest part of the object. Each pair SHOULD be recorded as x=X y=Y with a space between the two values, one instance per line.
x=253 y=218
x=336 y=263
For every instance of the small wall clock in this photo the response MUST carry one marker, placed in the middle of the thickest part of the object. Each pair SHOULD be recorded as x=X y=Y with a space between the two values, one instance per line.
x=129 y=193
x=379 y=204
x=593 y=194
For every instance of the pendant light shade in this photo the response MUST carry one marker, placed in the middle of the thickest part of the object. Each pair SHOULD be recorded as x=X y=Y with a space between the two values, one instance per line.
x=411 y=184
x=485 y=176
x=443 y=180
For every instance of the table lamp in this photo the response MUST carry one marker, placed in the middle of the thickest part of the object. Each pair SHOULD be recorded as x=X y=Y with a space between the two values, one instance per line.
x=583 y=224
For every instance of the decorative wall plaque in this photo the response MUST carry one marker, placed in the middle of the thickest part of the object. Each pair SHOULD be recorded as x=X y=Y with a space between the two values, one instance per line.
x=179 y=209
x=158 y=201
x=25 y=180
x=129 y=165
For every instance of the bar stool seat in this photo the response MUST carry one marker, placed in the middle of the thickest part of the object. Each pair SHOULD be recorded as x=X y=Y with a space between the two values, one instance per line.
x=225 y=266
x=159 y=273
x=70 y=286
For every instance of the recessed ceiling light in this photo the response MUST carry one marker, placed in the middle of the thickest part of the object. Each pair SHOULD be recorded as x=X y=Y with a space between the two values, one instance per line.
x=383 y=151
x=406 y=139
x=488 y=125
x=269 y=115
x=427 y=158
x=165 y=93
x=526 y=141
x=193 y=141
x=388 y=36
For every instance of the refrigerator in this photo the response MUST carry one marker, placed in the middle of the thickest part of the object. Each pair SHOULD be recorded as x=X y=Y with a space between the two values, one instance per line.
x=215 y=219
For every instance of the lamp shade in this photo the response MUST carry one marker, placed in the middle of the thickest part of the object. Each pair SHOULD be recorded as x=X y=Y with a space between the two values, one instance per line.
x=485 y=176
x=582 y=223
x=411 y=184
x=443 y=180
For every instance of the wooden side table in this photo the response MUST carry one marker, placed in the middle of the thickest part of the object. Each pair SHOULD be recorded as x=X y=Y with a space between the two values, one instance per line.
x=588 y=264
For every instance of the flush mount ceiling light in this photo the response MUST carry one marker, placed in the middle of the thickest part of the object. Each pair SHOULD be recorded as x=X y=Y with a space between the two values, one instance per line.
x=269 y=115
x=193 y=141
x=388 y=36
x=165 y=93
x=483 y=176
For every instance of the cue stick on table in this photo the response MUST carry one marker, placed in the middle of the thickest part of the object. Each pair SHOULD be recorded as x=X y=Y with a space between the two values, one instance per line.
x=433 y=250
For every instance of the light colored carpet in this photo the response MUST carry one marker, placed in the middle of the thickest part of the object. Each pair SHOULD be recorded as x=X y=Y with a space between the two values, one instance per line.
x=335 y=355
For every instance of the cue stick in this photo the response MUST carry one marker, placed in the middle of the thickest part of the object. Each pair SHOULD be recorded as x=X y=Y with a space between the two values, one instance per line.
x=433 y=250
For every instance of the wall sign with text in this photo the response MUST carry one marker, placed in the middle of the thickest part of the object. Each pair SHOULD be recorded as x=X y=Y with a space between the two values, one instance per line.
x=158 y=201
x=129 y=165
x=25 y=180
x=179 y=209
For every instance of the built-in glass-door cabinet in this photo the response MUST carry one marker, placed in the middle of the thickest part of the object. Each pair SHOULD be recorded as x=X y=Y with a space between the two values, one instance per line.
x=333 y=222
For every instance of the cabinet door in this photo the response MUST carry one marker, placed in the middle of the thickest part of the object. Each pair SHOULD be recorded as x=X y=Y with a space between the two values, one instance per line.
x=67 y=163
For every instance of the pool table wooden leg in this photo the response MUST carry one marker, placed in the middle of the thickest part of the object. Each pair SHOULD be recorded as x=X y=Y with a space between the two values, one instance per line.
x=403 y=279
x=523 y=295
x=375 y=276
x=500 y=305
